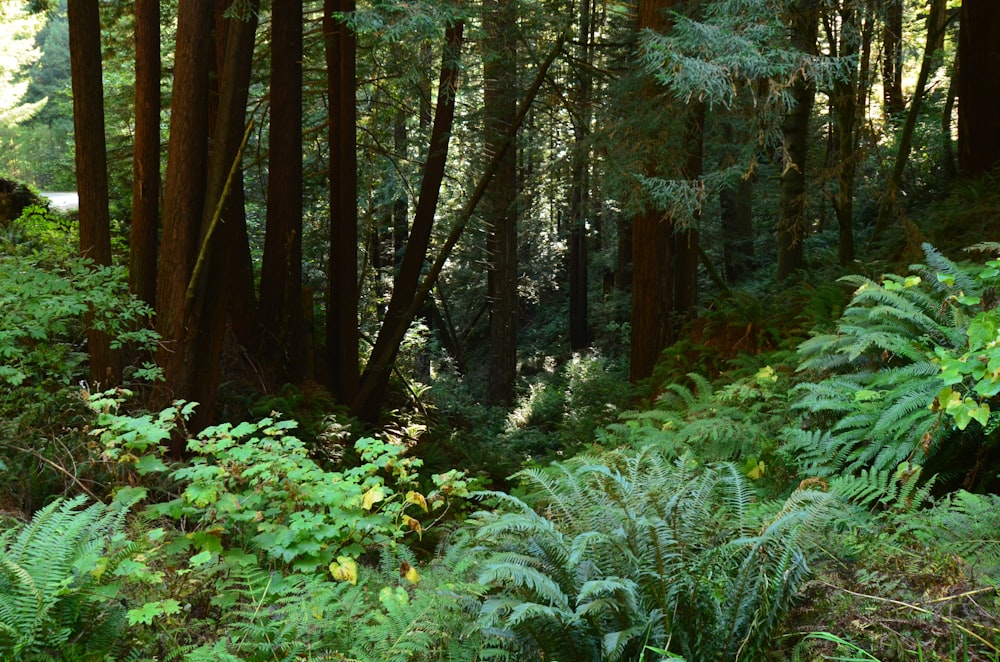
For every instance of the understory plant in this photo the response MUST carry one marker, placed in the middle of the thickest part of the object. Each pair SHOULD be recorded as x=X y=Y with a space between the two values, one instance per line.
x=60 y=576
x=905 y=370
x=604 y=556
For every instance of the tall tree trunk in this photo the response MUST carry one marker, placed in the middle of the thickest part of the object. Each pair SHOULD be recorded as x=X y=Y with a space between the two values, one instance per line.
x=281 y=270
x=216 y=280
x=652 y=247
x=978 y=82
x=686 y=251
x=892 y=59
x=736 y=209
x=184 y=195
x=342 y=281
x=500 y=109
x=795 y=132
x=845 y=114
x=375 y=379
x=146 y=163
x=580 y=212
x=91 y=163
x=889 y=206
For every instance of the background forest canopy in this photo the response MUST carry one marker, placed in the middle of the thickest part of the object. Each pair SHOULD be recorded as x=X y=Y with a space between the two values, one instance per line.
x=512 y=329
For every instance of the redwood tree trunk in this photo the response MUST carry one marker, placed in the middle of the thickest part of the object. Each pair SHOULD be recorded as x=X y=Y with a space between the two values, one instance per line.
x=579 y=324
x=281 y=271
x=91 y=163
x=184 y=195
x=795 y=131
x=146 y=163
x=500 y=108
x=978 y=82
x=342 y=277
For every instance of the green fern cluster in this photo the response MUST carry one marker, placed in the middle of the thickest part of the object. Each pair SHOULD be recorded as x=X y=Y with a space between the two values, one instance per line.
x=875 y=375
x=267 y=616
x=58 y=582
x=606 y=556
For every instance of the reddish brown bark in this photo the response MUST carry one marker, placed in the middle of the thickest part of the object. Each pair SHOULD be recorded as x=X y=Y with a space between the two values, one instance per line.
x=978 y=82
x=342 y=286
x=281 y=271
x=91 y=163
x=146 y=163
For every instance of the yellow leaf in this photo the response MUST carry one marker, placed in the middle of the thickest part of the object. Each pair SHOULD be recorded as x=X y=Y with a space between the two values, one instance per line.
x=417 y=498
x=344 y=569
x=414 y=525
x=756 y=472
x=371 y=497
x=412 y=575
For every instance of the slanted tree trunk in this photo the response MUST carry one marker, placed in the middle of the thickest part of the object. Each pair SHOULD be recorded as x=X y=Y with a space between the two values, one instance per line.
x=281 y=270
x=500 y=109
x=795 y=132
x=889 y=207
x=375 y=379
x=342 y=279
x=978 y=82
x=91 y=164
x=146 y=163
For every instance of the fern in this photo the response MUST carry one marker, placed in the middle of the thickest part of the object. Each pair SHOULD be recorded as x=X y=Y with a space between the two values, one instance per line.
x=57 y=581
x=631 y=548
x=877 y=373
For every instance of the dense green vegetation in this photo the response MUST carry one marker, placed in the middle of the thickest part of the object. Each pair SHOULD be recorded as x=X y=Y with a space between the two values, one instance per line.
x=808 y=469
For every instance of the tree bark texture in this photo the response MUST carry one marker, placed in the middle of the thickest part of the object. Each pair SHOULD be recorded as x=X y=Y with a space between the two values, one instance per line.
x=184 y=194
x=978 y=82
x=342 y=277
x=795 y=132
x=500 y=109
x=146 y=163
x=91 y=163
x=845 y=114
x=224 y=283
x=281 y=270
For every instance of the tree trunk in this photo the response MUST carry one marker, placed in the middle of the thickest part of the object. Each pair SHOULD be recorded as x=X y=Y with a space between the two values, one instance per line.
x=892 y=59
x=652 y=252
x=91 y=164
x=215 y=286
x=978 y=82
x=736 y=210
x=500 y=109
x=889 y=207
x=146 y=163
x=795 y=132
x=580 y=212
x=342 y=282
x=184 y=195
x=375 y=379
x=281 y=270
x=845 y=113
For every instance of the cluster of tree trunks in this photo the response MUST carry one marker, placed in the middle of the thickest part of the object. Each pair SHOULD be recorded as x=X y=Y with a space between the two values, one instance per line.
x=198 y=273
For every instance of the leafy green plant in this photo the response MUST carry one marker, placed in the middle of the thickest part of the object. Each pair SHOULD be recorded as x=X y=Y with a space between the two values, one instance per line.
x=879 y=372
x=606 y=555
x=59 y=578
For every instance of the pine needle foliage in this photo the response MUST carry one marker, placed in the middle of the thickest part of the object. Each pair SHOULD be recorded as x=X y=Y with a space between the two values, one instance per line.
x=58 y=582
x=873 y=380
x=606 y=555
